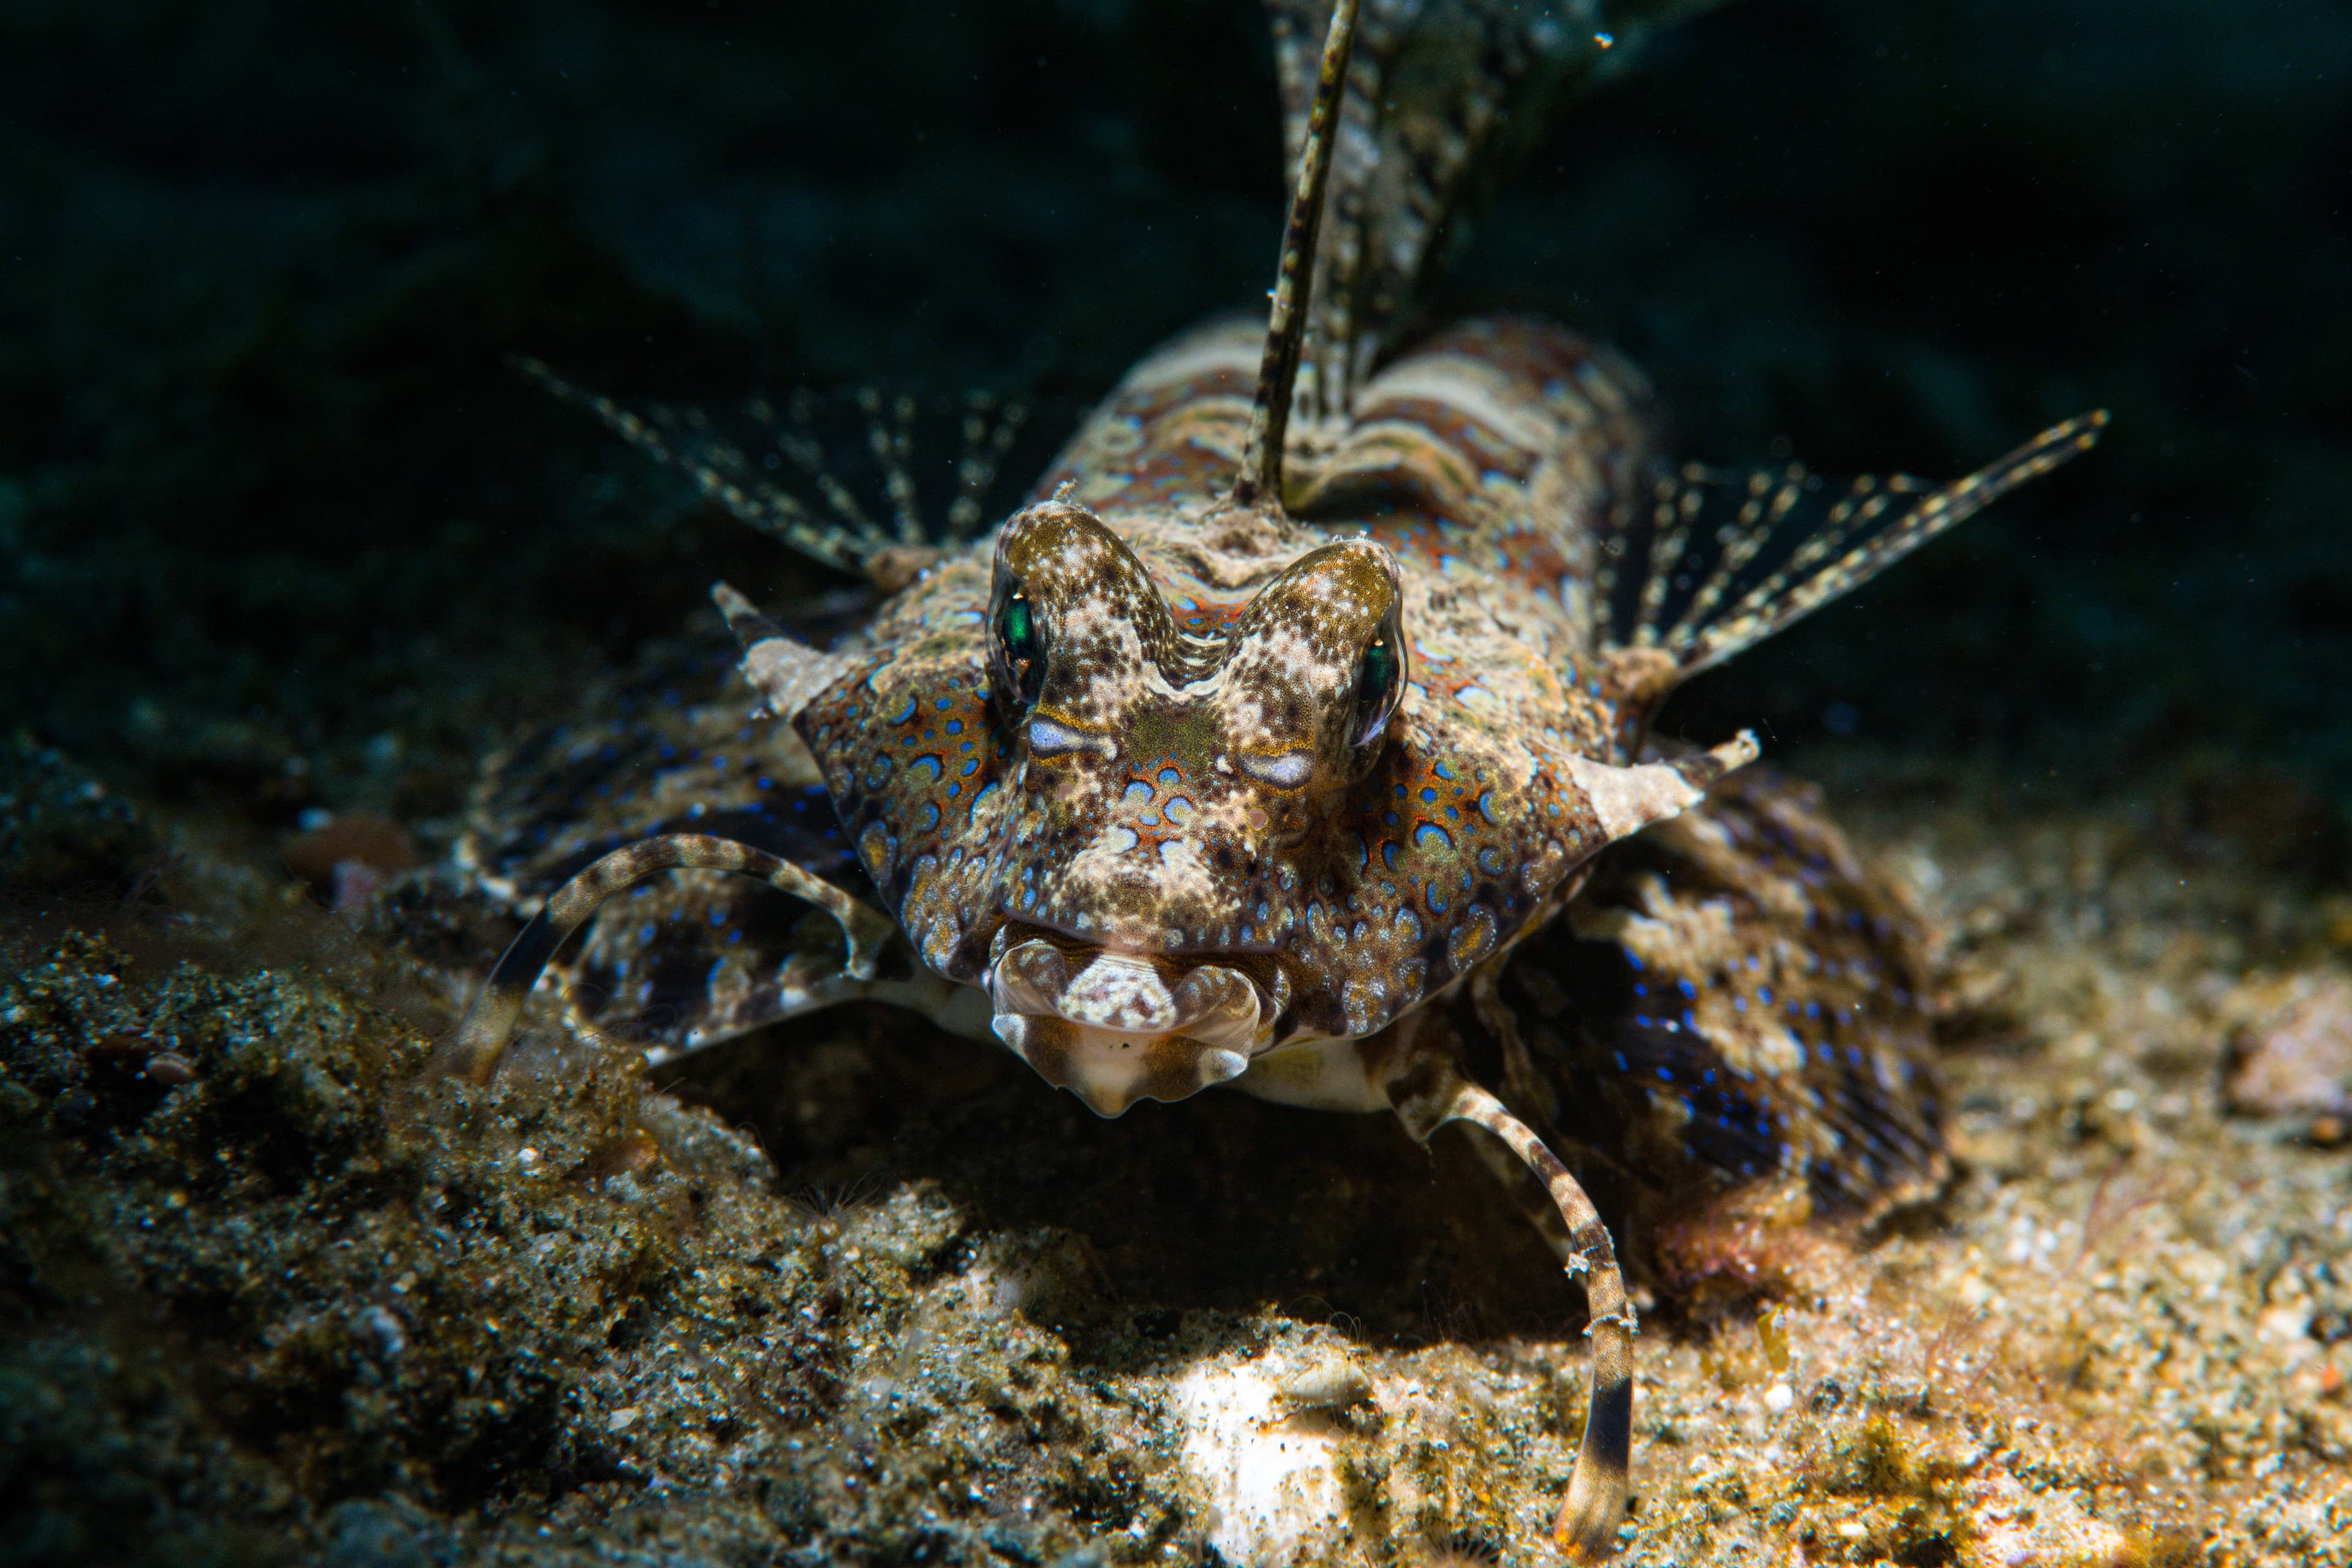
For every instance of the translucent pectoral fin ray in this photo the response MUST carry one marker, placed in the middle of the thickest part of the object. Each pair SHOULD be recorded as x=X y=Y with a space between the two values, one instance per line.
x=842 y=477
x=483 y=1035
x=1718 y=560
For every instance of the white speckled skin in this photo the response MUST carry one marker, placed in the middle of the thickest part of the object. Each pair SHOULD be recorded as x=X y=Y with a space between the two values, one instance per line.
x=1196 y=783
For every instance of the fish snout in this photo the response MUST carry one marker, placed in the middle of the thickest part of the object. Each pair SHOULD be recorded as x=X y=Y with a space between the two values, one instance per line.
x=1116 y=1027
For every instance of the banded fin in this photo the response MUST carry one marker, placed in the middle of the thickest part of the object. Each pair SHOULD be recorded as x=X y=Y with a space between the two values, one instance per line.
x=1443 y=98
x=484 y=1033
x=1428 y=1091
x=670 y=748
x=1713 y=561
x=853 y=480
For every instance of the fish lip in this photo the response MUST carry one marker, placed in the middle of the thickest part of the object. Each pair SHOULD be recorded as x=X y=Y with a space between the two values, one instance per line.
x=1115 y=1027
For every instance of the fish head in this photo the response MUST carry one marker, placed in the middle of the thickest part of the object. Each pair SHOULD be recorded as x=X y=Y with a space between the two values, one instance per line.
x=1174 y=846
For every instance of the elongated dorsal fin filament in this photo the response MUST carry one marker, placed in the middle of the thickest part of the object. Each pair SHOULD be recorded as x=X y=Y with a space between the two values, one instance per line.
x=1260 y=483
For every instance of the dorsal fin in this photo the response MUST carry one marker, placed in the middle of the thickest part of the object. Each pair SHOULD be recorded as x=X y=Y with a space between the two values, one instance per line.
x=1260 y=481
x=1441 y=98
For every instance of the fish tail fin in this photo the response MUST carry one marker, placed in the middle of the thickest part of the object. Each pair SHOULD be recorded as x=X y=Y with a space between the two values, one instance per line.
x=1713 y=561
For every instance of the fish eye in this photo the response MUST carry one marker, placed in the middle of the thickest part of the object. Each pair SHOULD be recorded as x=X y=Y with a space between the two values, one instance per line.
x=1019 y=662
x=1380 y=684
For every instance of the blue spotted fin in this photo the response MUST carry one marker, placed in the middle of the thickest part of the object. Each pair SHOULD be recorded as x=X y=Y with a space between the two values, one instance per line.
x=873 y=485
x=1736 y=1015
x=693 y=957
x=1711 y=562
x=1443 y=99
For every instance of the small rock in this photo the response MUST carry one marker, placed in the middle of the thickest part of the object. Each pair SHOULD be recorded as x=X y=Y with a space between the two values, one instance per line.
x=346 y=857
x=170 y=1069
x=384 y=1333
x=2292 y=1057
x=368 y=1533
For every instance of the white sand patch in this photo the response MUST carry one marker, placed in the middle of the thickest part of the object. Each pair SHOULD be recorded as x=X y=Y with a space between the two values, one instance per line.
x=1268 y=1472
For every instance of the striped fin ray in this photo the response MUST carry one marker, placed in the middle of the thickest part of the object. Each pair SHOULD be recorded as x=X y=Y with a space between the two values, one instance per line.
x=1441 y=98
x=484 y=1033
x=1719 y=560
x=840 y=477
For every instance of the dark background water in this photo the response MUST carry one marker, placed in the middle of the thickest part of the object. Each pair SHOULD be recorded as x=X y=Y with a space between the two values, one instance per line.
x=276 y=519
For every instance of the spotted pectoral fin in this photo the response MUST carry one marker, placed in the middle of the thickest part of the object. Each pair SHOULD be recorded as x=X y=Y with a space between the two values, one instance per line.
x=690 y=960
x=696 y=957
x=674 y=745
x=1737 y=1011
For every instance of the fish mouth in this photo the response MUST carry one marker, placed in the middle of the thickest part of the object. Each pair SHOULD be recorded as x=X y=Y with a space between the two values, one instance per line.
x=1116 y=1027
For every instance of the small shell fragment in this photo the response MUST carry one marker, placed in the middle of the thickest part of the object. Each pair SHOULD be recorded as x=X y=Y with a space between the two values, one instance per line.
x=1330 y=1382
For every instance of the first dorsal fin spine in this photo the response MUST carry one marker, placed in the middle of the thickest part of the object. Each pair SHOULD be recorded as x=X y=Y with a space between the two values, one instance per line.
x=1260 y=482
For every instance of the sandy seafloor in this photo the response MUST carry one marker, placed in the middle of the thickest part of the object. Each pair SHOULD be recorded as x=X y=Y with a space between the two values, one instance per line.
x=268 y=1304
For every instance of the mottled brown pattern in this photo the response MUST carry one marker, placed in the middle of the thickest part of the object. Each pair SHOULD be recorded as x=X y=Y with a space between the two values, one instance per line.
x=1184 y=785
x=1262 y=727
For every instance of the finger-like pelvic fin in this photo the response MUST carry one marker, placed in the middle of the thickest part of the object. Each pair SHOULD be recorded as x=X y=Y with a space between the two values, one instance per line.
x=1429 y=1094
x=787 y=674
x=1627 y=800
x=482 y=1036
x=1260 y=483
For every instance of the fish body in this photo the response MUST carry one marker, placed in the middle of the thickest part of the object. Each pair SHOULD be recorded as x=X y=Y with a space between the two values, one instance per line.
x=1294 y=734
x=1182 y=803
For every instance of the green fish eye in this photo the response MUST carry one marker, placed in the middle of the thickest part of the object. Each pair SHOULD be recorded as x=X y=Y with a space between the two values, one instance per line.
x=1377 y=680
x=1020 y=626
x=1022 y=643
